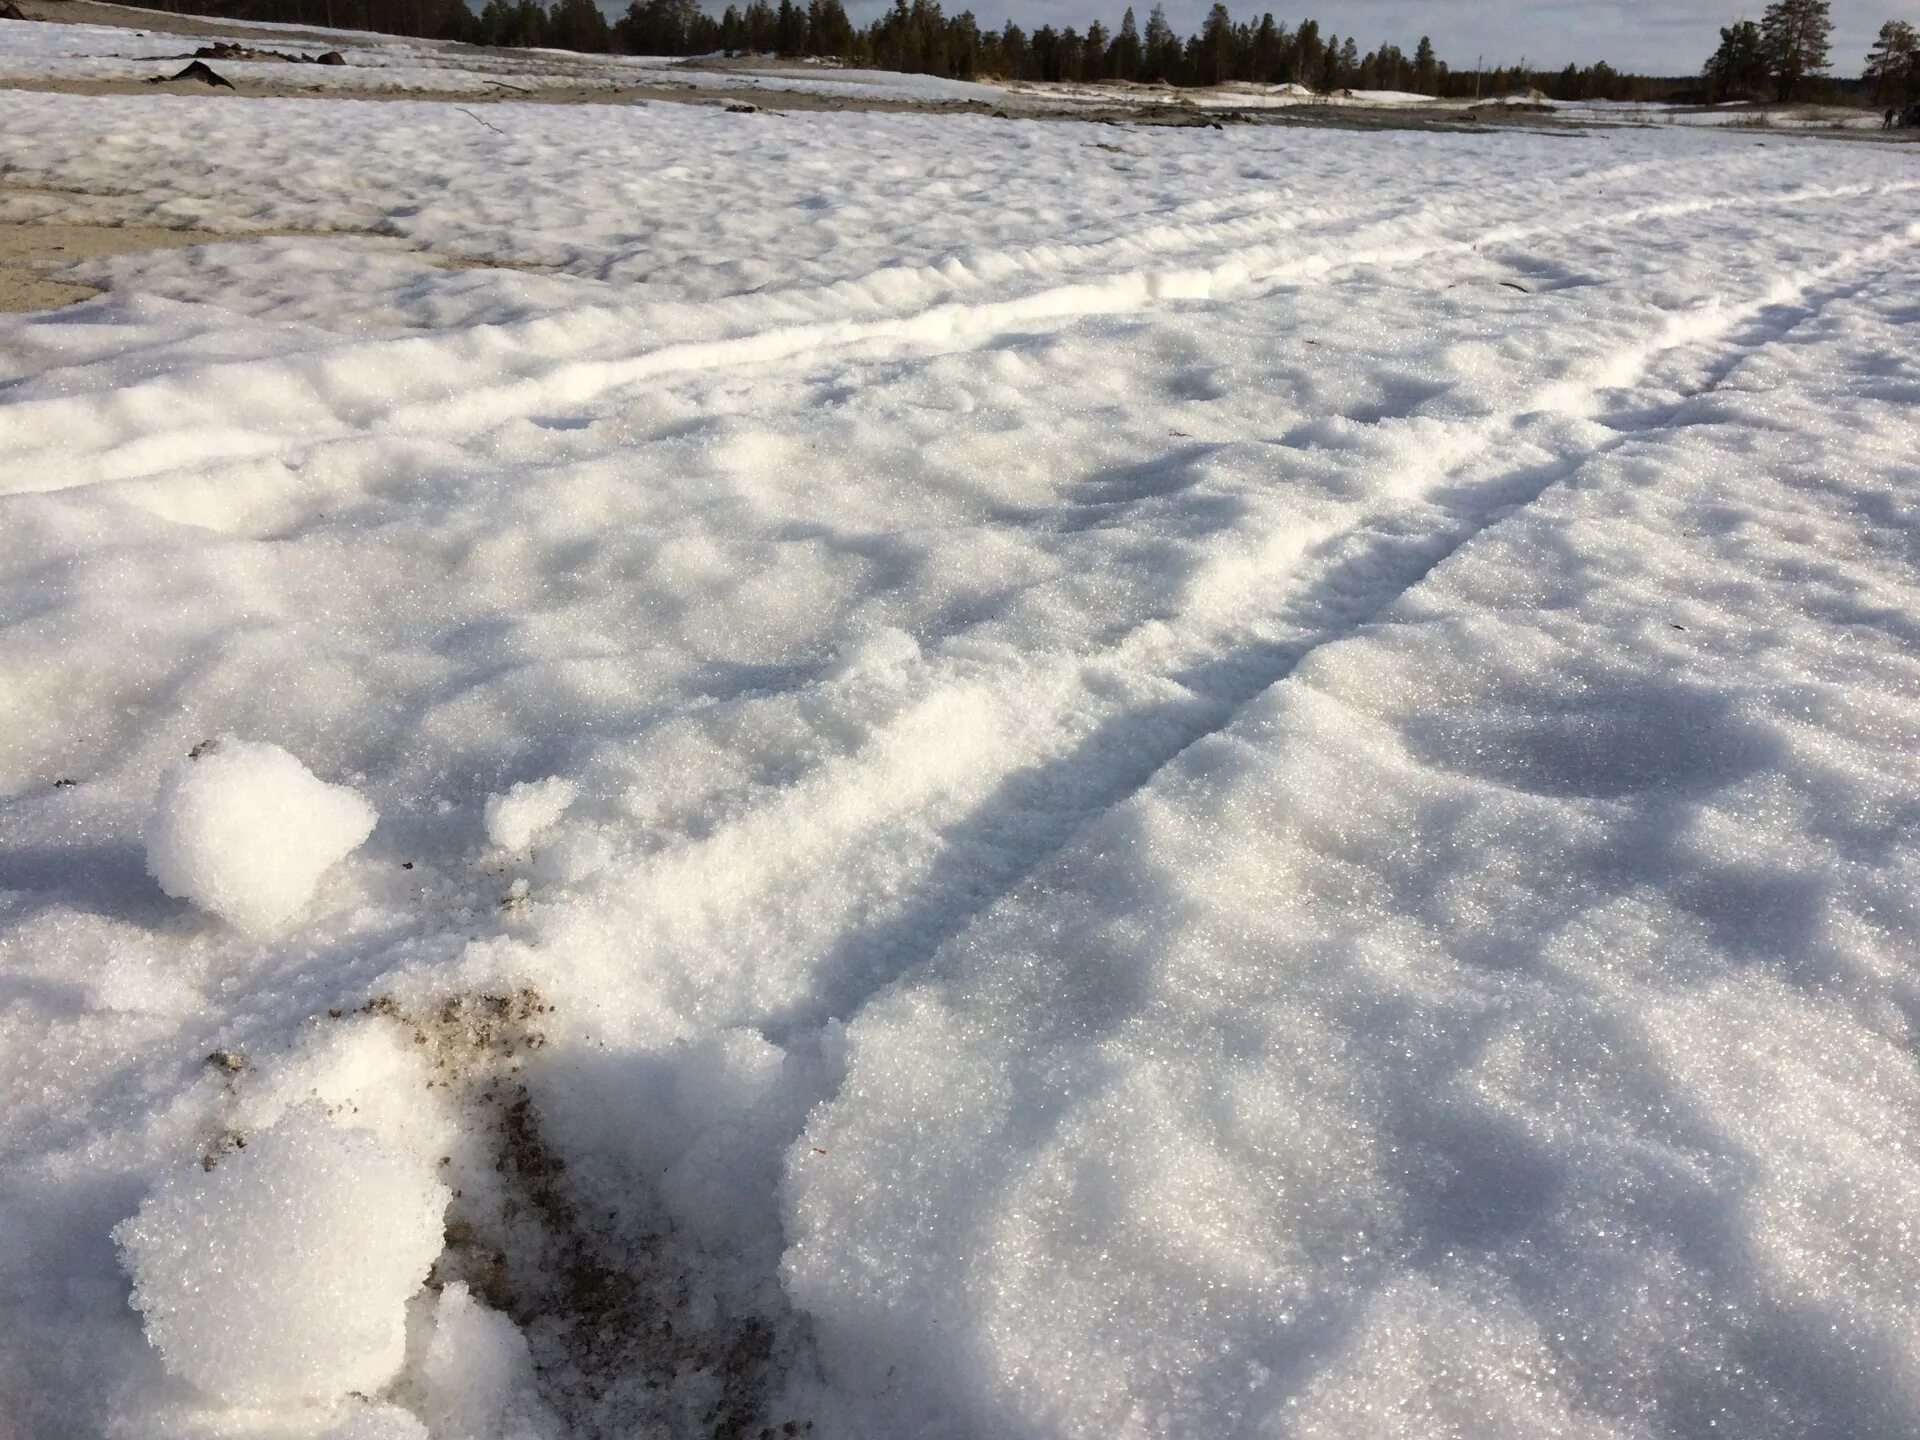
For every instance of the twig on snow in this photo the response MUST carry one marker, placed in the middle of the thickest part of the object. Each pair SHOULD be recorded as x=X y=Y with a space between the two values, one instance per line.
x=488 y=123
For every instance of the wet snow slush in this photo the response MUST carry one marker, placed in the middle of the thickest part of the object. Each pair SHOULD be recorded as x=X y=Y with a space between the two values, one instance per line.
x=1032 y=780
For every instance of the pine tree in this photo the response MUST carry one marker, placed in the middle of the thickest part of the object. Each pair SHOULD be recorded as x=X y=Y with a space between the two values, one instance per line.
x=1426 y=72
x=578 y=25
x=1328 y=80
x=1308 y=53
x=1093 y=60
x=1795 y=36
x=1013 y=52
x=829 y=31
x=1894 y=62
x=1215 y=51
x=1126 y=49
x=1268 y=45
x=1162 y=52
x=1739 y=67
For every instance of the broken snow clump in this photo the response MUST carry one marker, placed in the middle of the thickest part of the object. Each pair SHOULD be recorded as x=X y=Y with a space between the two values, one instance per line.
x=527 y=811
x=283 y=1274
x=245 y=831
x=475 y=1380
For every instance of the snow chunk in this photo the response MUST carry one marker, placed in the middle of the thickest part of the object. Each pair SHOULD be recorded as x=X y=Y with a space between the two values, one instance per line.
x=283 y=1274
x=475 y=1380
x=245 y=831
x=519 y=817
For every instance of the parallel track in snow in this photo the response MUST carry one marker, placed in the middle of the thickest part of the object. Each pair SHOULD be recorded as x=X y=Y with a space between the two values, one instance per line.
x=896 y=807
x=449 y=386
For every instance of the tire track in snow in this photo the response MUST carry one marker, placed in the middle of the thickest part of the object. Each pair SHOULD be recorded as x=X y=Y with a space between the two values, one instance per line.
x=867 y=815
x=449 y=386
x=959 y=325
x=873 y=862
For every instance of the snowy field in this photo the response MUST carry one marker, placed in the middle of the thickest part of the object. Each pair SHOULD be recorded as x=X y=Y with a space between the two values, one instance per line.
x=391 y=64
x=957 y=778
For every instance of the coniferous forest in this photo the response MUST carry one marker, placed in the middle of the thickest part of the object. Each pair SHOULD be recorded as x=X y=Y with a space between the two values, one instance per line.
x=918 y=37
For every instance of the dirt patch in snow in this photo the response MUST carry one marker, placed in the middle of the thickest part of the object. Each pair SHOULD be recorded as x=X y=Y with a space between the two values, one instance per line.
x=37 y=255
x=33 y=255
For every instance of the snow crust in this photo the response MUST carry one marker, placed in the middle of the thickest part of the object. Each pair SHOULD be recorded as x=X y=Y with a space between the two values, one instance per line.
x=1186 y=790
x=282 y=1273
x=245 y=831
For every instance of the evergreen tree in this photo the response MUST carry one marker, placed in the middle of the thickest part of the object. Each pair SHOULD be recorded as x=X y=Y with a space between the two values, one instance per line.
x=578 y=25
x=1093 y=63
x=494 y=21
x=1893 y=65
x=526 y=25
x=829 y=31
x=1426 y=70
x=1328 y=79
x=1795 y=36
x=1215 y=50
x=763 y=27
x=1269 y=49
x=1308 y=53
x=1162 y=52
x=1739 y=67
x=1127 y=51
x=1013 y=52
x=790 y=29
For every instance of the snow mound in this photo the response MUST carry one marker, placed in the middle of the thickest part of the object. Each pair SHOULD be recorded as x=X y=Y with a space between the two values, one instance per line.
x=282 y=1275
x=527 y=811
x=244 y=831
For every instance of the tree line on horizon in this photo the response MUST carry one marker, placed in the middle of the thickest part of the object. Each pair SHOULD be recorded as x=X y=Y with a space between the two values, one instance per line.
x=1785 y=53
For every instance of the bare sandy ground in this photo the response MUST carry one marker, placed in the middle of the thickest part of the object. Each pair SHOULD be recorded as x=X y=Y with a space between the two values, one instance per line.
x=38 y=251
x=33 y=253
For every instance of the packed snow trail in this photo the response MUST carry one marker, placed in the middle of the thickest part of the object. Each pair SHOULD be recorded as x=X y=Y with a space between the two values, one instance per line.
x=1032 y=791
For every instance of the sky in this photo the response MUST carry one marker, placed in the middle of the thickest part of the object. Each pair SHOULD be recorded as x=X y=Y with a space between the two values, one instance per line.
x=1664 y=37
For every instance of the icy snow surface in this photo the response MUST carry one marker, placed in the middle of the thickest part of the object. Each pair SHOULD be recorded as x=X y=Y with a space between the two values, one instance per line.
x=1035 y=780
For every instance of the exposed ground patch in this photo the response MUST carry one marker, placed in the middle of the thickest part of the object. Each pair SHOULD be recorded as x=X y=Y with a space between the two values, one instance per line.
x=621 y=1342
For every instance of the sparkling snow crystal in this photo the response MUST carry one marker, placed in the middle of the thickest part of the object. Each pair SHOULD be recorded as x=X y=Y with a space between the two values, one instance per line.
x=245 y=831
x=282 y=1275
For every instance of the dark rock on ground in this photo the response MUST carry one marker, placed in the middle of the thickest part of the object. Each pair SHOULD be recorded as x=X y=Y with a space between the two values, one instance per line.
x=198 y=70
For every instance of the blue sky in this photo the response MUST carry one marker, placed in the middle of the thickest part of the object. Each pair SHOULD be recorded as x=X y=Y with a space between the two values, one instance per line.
x=1669 y=37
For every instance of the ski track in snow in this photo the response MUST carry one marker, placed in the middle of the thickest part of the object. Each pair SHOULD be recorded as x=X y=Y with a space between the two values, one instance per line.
x=423 y=528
